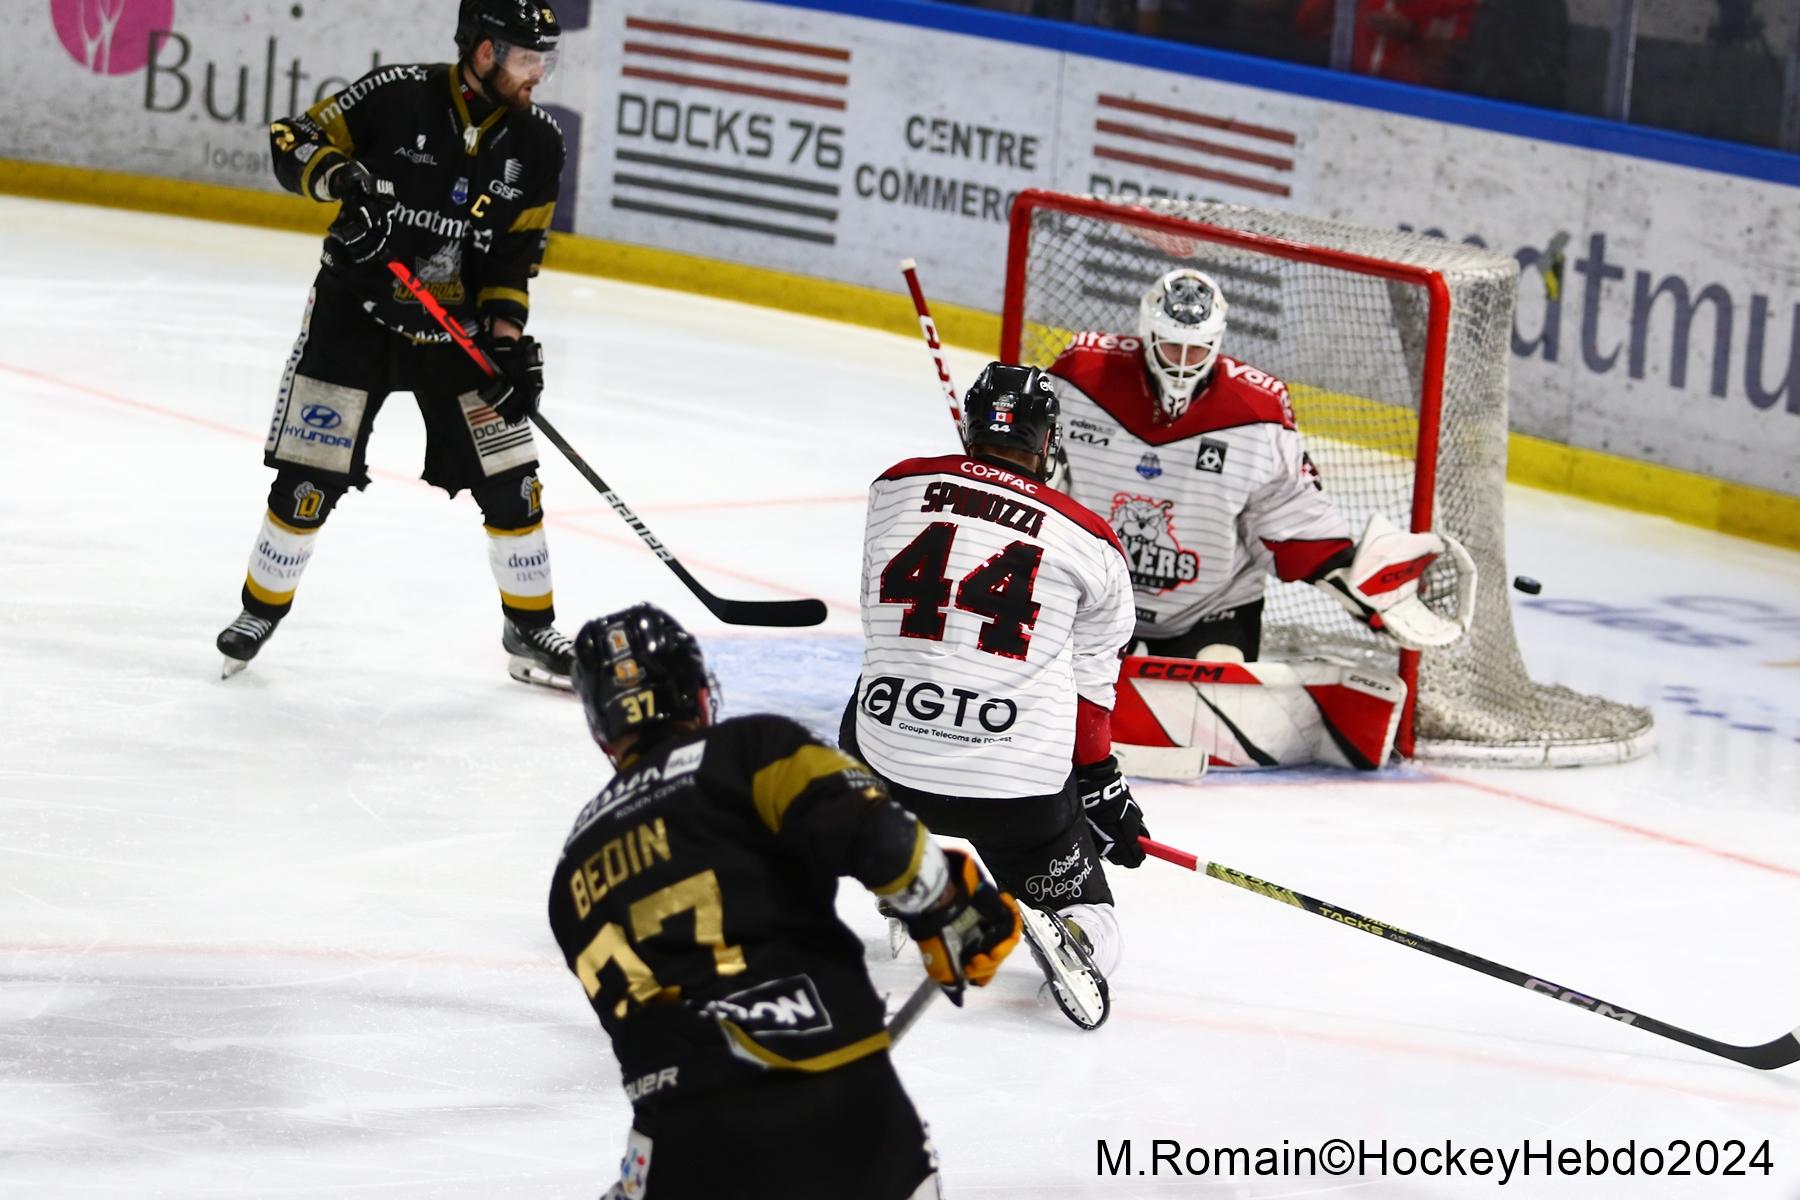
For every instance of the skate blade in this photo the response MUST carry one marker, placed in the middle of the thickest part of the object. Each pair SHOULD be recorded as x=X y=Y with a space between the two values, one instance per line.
x=231 y=667
x=526 y=671
x=1079 y=990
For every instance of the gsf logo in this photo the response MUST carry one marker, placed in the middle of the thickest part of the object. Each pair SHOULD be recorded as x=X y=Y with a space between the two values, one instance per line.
x=925 y=701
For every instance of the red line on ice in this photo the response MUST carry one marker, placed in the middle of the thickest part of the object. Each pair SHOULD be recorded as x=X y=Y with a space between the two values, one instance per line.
x=1644 y=831
x=233 y=431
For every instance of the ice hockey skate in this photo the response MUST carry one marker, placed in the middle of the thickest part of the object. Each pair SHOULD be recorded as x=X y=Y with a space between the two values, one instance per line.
x=540 y=656
x=1062 y=953
x=240 y=640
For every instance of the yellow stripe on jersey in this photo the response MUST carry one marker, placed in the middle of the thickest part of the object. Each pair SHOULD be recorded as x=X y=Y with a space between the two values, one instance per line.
x=780 y=783
x=905 y=878
x=534 y=218
x=516 y=295
x=326 y=154
x=875 y=1043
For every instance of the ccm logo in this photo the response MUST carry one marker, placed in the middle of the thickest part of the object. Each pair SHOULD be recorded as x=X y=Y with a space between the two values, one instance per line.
x=1581 y=1001
x=1178 y=671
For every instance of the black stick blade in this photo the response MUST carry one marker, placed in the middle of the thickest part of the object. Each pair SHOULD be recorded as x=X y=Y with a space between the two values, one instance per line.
x=784 y=614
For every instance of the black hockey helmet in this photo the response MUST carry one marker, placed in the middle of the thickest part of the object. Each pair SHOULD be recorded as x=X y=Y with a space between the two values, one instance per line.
x=527 y=24
x=637 y=669
x=1014 y=407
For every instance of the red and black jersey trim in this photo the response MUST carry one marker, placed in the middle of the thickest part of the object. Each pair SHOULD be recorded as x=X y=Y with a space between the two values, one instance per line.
x=1120 y=384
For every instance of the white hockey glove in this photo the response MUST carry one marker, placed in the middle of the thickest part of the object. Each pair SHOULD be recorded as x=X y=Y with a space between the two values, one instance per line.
x=1380 y=587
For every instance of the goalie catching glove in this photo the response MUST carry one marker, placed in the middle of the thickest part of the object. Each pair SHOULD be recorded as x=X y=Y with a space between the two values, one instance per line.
x=1380 y=587
x=968 y=931
x=1112 y=814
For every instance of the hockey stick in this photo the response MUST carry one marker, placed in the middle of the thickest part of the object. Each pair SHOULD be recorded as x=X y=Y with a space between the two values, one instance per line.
x=928 y=327
x=909 y=1012
x=783 y=613
x=1783 y=1051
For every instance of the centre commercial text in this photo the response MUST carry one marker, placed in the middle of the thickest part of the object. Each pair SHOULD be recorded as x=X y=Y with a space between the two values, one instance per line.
x=943 y=193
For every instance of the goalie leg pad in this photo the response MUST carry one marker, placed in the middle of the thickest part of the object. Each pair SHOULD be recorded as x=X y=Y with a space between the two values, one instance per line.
x=1254 y=714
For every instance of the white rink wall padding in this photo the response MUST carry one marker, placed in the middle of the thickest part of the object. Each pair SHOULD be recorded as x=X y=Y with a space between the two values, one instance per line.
x=1659 y=319
x=285 y=935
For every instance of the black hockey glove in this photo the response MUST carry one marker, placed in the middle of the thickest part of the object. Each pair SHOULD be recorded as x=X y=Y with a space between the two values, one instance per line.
x=968 y=932
x=366 y=212
x=515 y=391
x=1114 y=816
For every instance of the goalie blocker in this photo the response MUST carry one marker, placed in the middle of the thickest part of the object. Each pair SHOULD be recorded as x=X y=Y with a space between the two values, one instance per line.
x=1176 y=716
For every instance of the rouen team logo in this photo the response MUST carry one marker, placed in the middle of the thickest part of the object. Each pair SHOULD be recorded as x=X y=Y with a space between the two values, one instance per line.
x=1147 y=533
x=110 y=37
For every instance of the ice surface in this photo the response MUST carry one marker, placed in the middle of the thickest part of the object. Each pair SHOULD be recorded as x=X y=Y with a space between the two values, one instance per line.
x=284 y=935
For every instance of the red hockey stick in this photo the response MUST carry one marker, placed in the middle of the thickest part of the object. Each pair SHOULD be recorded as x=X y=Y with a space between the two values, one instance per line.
x=783 y=613
x=928 y=327
x=1783 y=1051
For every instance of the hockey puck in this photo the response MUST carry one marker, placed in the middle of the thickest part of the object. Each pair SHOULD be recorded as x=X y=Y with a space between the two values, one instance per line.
x=1527 y=584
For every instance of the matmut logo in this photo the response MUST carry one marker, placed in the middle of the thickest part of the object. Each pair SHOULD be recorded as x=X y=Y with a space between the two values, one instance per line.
x=110 y=37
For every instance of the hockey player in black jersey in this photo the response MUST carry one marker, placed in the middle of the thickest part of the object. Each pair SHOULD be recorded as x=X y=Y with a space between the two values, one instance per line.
x=451 y=170
x=695 y=901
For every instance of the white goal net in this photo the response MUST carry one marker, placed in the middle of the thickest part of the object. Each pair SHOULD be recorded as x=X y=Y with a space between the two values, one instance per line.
x=1394 y=348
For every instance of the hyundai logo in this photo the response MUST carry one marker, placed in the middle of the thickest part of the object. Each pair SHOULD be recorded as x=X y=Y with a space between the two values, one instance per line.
x=320 y=416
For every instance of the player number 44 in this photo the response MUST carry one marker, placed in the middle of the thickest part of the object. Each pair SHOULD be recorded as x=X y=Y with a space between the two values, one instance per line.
x=999 y=589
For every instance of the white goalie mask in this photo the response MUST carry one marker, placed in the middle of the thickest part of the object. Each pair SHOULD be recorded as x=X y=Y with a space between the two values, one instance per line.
x=1182 y=323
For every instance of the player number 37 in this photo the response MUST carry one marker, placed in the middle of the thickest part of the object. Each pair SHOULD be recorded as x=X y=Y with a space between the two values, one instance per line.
x=699 y=894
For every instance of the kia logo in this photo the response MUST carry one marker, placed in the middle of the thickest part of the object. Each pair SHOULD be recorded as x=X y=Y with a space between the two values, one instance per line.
x=320 y=416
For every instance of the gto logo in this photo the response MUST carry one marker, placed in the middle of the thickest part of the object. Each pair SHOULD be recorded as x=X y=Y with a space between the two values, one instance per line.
x=321 y=416
x=887 y=695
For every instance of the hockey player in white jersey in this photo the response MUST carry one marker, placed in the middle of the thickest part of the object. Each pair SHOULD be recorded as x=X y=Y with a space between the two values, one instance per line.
x=996 y=610
x=1195 y=461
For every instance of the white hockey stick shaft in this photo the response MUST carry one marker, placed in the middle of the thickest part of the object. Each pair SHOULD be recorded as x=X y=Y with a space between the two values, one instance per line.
x=921 y=998
x=933 y=343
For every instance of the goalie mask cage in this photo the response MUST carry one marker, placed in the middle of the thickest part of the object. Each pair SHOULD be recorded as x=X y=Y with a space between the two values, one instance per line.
x=1394 y=349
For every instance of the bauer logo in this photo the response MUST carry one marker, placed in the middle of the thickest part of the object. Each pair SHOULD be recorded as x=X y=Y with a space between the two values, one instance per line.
x=320 y=416
x=111 y=37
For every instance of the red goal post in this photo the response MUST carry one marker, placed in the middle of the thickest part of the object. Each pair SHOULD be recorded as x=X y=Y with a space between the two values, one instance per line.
x=1394 y=347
